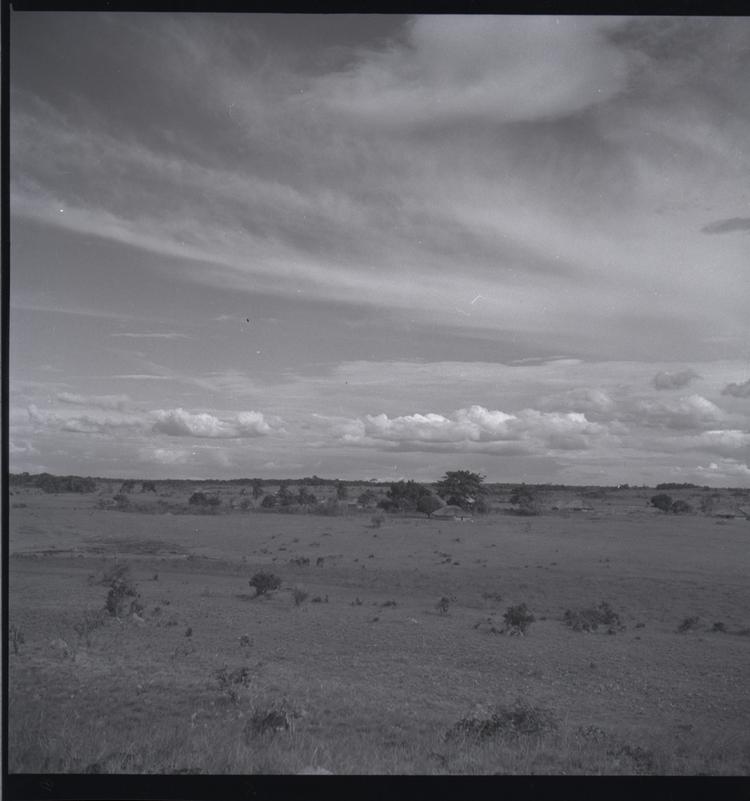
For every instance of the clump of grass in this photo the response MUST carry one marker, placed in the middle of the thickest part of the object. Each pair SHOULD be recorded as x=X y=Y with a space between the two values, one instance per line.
x=232 y=683
x=301 y=561
x=688 y=624
x=357 y=602
x=17 y=638
x=245 y=641
x=520 y=720
x=720 y=627
x=591 y=618
x=443 y=605
x=642 y=759
x=518 y=619
x=91 y=620
x=122 y=598
x=492 y=596
x=299 y=595
x=264 y=582
x=265 y=720
x=388 y=603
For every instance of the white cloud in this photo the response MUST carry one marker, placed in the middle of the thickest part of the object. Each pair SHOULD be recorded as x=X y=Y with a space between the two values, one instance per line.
x=165 y=456
x=118 y=402
x=499 y=69
x=474 y=428
x=693 y=411
x=181 y=423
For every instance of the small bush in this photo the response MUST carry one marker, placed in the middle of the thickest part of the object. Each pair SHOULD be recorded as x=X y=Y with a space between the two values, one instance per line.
x=377 y=520
x=590 y=619
x=122 y=598
x=91 y=621
x=662 y=502
x=299 y=595
x=518 y=619
x=264 y=582
x=680 y=507
x=719 y=626
x=233 y=682
x=443 y=605
x=521 y=720
x=688 y=624
x=270 y=720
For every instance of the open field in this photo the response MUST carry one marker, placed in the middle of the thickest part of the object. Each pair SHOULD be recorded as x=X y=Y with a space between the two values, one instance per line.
x=366 y=674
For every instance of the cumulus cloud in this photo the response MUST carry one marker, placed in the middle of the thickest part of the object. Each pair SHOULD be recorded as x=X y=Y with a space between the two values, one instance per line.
x=737 y=390
x=693 y=411
x=90 y=423
x=725 y=470
x=667 y=380
x=500 y=69
x=166 y=456
x=181 y=423
x=722 y=441
x=474 y=428
x=118 y=402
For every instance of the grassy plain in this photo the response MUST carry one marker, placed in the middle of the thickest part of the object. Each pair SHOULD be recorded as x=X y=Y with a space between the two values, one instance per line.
x=366 y=674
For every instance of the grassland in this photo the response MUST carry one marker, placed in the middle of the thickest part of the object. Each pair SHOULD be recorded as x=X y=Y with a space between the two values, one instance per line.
x=369 y=673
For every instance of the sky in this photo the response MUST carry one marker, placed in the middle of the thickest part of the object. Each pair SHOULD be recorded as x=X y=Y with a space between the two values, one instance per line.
x=373 y=246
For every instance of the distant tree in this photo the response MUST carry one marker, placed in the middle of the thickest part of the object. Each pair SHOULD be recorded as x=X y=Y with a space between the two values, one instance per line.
x=268 y=502
x=203 y=500
x=427 y=504
x=662 y=501
x=127 y=486
x=257 y=488
x=680 y=507
x=367 y=498
x=284 y=496
x=148 y=486
x=305 y=497
x=342 y=491
x=525 y=499
x=460 y=487
x=403 y=496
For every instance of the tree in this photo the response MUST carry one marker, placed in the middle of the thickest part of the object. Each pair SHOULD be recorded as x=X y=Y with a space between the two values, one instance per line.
x=460 y=487
x=342 y=491
x=305 y=497
x=662 y=501
x=268 y=502
x=284 y=495
x=257 y=487
x=148 y=486
x=367 y=498
x=427 y=504
x=525 y=499
x=680 y=507
x=403 y=496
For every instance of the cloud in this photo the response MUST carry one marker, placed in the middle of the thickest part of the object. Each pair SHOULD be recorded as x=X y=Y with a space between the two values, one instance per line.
x=165 y=456
x=180 y=423
x=666 y=380
x=693 y=411
x=725 y=470
x=466 y=68
x=118 y=402
x=727 y=226
x=91 y=423
x=474 y=428
x=737 y=390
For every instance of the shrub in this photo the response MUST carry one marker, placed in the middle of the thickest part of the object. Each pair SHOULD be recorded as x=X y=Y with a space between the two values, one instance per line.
x=268 y=502
x=299 y=595
x=492 y=596
x=520 y=720
x=200 y=499
x=121 y=500
x=233 y=682
x=122 y=598
x=270 y=720
x=245 y=504
x=662 y=502
x=590 y=619
x=91 y=621
x=264 y=582
x=680 y=507
x=688 y=624
x=443 y=605
x=377 y=520
x=428 y=504
x=518 y=619
x=719 y=626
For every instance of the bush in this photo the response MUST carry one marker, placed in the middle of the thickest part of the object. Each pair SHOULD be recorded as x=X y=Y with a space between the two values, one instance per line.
x=680 y=507
x=688 y=624
x=121 y=590
x=91 y=621
x=299 y=595
x=268 y=502
x=521 y=720
x=202 y=500
x=443 y=605
x=264 y=582
x=233 y=682
x=662 y=502
x=518 y=619
x=590 y=619
x=121 y=500
x=377 y=520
